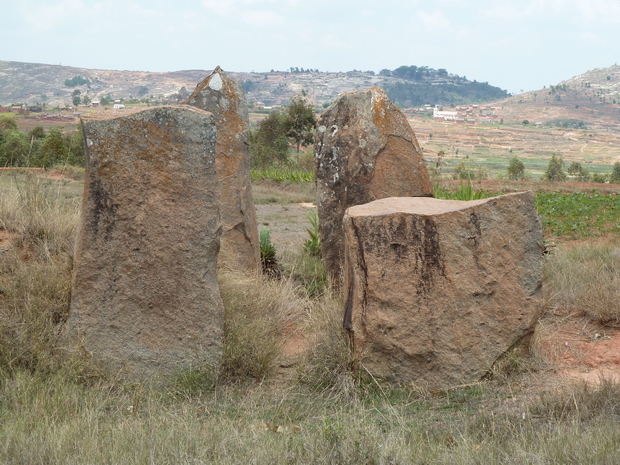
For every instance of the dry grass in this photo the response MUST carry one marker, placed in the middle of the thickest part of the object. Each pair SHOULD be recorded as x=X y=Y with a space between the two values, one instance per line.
x=35 y=271
x=585 y=278
x=328 y=363
x=259 y=312
x=270 y=193
x=48 y=415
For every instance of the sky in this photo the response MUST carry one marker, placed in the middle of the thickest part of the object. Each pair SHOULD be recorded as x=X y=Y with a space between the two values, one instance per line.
x=518 y=45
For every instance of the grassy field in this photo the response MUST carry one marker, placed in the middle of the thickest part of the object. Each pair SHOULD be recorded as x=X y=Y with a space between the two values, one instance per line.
x=277 y=403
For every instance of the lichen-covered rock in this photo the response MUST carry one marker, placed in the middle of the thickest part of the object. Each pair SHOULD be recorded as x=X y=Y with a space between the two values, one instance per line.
x=224 y=98
x=437 y=290
x=145 y=297
x=365 y=150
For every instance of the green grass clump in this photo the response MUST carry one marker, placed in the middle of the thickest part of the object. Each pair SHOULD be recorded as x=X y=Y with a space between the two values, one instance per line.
x=283 y=174
x=313 y=244
x=464 y=192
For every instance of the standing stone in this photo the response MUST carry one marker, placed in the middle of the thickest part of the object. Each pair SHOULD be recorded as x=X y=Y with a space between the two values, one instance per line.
x=145 y=297
x=439 y=289
x=365 y=150
x=224 y=97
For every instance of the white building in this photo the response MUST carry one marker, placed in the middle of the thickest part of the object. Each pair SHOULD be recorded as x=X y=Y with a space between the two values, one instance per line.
x=445 y=115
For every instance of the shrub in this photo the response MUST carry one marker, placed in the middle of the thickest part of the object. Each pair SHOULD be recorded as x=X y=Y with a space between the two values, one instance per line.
x=580 y=172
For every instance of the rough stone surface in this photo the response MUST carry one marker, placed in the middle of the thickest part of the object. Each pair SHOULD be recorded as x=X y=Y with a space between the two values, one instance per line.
x=437 y=290
x=365 y=150
x=224 y=97
x=145 y=297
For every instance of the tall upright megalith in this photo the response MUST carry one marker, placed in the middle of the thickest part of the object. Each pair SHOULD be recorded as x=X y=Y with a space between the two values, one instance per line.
x=365 y=150
x=224 y=97
x=145 y=297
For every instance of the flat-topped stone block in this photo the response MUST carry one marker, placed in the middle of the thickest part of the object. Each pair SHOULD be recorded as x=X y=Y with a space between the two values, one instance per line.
x=438 y=290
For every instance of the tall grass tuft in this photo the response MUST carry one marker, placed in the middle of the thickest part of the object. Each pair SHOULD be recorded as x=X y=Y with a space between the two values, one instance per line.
x=35 y=271
x=585 y=278
x=581 y=402
x=328 y=363
x=259 y=312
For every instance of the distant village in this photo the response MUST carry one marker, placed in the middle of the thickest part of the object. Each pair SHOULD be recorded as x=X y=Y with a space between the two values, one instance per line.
x=462 y=114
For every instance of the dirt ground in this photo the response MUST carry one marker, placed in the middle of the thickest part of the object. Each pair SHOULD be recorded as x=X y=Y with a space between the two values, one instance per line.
x=287 y=224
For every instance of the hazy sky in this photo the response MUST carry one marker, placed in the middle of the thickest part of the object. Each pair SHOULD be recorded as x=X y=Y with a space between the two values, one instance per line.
x=513 y=44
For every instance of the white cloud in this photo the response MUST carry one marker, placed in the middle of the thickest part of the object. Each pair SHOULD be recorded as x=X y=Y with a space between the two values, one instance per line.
x=261 y=18
x=577 y=11
x=434 y=21
x=226 y=7
x=46 y=17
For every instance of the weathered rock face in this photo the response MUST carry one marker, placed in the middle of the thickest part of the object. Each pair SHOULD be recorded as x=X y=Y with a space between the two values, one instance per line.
x=145 y=295
x=365 y=150
x=439 y=289
x=224 y=98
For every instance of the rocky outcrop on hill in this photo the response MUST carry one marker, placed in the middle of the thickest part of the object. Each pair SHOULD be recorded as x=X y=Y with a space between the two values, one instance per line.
x=438 y=290
x=145 y=298
x=365 y=150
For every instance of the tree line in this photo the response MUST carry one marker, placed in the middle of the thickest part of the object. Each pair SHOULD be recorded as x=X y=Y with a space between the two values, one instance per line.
x=38 y=148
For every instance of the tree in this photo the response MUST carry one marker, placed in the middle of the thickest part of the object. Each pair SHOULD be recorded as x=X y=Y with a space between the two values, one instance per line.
x=7 y=122
x=269 y=143
x=74 y=143
x=76 y=100
x=581 y=174
x=555 y=171
x=15 y=149
x=300 y=121
x=516 y=169
x=615 y=173
x=52 y=150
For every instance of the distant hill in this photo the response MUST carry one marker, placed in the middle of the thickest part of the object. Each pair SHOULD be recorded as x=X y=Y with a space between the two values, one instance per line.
x=53 y=85
x=35 y=83
x=590 y=100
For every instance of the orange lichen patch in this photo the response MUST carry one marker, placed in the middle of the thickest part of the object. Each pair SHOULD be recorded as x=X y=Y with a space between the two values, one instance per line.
x=393 y=171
